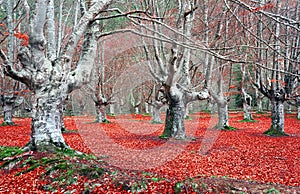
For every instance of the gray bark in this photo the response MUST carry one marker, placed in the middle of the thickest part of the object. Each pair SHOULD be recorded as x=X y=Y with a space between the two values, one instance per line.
x=112 y=109
x=174 y=124
x=8 y=102
x=298 y=113
x=277 y=116
x=101 y=113
x=223 y=118
x=156 y=105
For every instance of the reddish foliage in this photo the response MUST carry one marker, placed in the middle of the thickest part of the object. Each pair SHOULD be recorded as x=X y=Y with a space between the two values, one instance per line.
x=244 y=154
x=23 y=37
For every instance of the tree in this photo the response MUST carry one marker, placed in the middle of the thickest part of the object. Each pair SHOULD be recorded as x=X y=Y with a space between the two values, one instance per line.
x=277 y=61
x=173 y=73
x=51 y=79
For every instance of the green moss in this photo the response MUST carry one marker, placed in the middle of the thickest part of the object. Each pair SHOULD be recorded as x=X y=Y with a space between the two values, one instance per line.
x=189 y=118
x=8 y=124
x=273 y=190
x=230 y=128
x=9 y=151
x=249 y=121
x=275 y=132
x=164 y=136
x=155 y=122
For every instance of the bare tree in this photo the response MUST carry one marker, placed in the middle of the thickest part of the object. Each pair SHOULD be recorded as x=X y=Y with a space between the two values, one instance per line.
x=173 y=72
x=51 y=80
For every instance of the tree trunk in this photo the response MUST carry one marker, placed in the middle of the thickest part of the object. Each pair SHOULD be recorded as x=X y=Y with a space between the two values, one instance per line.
x=112 y=109
x=156 y=112
x=47 y=120
x=259 y=104
x=146 y=108
x=247 y=101
x=298 y=115
x=136 y=110
x=277 y=116
x=8 y=104
x=101 y=113
x=174 y=125
x=223 y=122
x=247 y=111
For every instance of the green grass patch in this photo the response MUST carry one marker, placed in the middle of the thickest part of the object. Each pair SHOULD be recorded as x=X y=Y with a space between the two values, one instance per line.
x=9 y=151
x=248 y=121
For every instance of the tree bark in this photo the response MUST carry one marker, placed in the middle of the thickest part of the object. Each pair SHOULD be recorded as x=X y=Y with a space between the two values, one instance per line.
x=8 y=104
x=277 y=115
x=247 y=99
x=298 y=114
x=223 y=122
x=156 y=112
x=259 y=98
x=47 y=120
x=101 y=113
x=174 y=124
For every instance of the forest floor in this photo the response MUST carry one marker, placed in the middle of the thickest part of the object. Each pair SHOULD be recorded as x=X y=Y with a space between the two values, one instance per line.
x=127 y=155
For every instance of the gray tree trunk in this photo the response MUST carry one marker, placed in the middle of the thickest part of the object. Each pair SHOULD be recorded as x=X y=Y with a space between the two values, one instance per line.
x=247 y=111
x=47 y=119
x=156 y=112
x=112 y=109
x=223 y=122
x=298 y=114
x=247 y=101
x=101 y=113
x=277 y=116
x=8 y=102
x=174 y=124
x=259 y=103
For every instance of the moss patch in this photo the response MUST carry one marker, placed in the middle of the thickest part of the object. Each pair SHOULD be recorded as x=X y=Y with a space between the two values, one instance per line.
x=275 y=132
x=248 y=121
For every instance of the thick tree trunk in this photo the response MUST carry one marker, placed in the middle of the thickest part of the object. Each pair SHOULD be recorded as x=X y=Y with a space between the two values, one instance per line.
x=47 y=120
x=174 y=124
x=247 y=112
x=277 y=116
x=223 y=122
x=8 y=104
x=101 y=113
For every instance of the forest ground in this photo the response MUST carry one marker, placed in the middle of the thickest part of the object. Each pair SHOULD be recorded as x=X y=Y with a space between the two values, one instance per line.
x=127 y=155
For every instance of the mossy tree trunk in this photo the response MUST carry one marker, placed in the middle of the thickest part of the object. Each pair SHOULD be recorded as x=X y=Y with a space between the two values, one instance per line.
x=277 y=115
x=47 y=116
x=174 y=124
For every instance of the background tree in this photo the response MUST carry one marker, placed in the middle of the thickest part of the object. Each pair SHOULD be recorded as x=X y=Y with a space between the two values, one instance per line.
x=277 y=65
x=173 y=72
